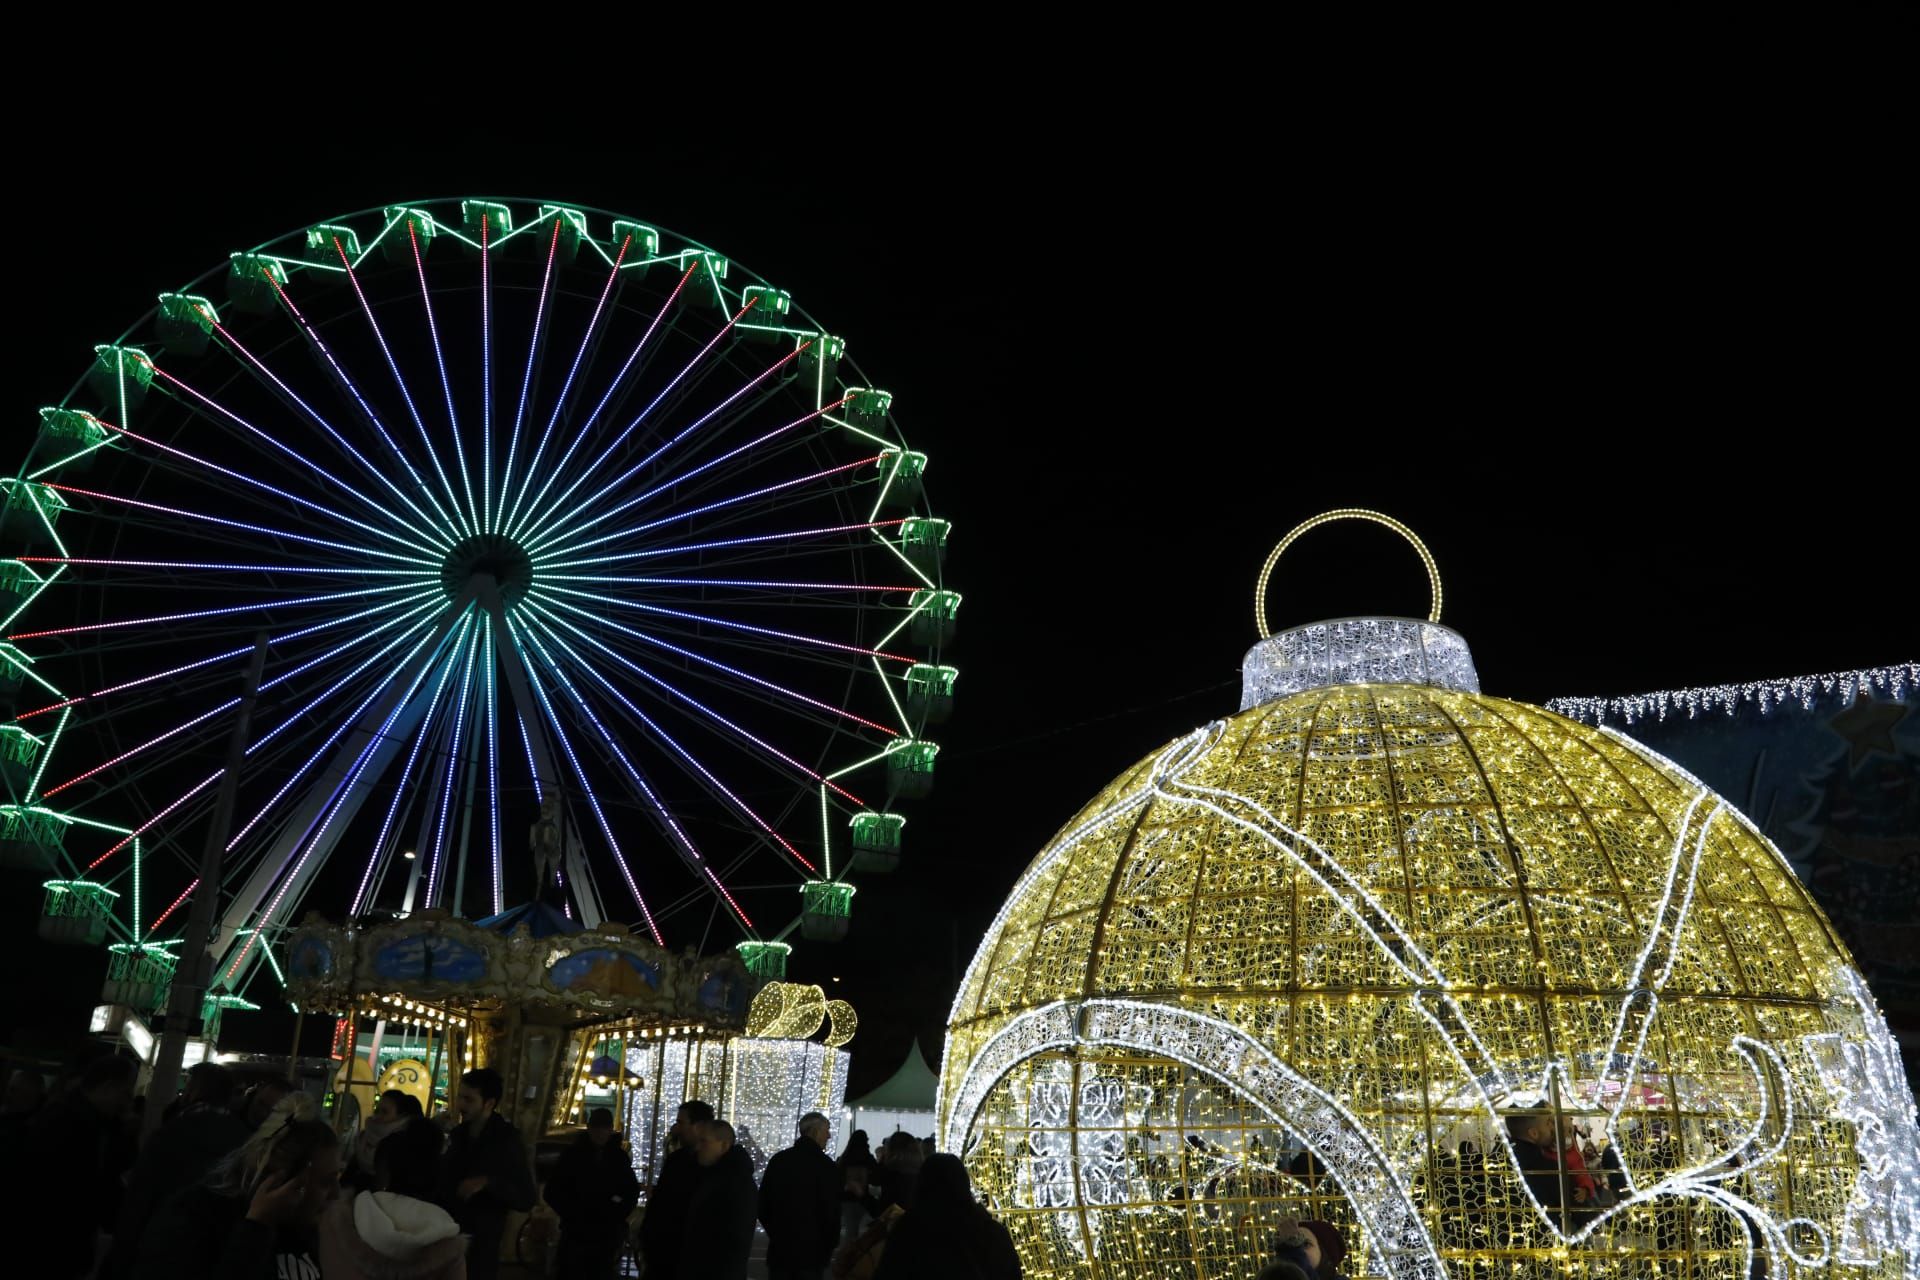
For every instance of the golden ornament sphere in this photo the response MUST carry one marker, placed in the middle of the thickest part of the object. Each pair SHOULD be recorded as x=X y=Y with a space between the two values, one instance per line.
x=1339 y=956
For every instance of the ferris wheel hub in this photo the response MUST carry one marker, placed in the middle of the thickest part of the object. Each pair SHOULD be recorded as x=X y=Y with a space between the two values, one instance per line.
x=493 y=555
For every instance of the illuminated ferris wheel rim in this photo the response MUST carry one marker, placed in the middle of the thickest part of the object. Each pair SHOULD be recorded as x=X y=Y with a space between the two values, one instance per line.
x=485 y=563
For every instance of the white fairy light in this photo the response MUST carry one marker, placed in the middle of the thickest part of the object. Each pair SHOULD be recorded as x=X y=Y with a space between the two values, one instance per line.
x=1836 y=687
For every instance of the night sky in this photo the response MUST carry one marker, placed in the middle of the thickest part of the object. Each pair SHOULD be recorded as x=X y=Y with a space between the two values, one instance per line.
x=1641 y=398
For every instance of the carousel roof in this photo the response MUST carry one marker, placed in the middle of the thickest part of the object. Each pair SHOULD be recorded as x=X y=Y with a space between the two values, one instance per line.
x=542 y=921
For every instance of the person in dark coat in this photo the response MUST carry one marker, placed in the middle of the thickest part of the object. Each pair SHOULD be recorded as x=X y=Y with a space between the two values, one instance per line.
x=663 y=1226
x=899 y=1167
x=945 y=1233
x=800 y=1204
x=202 y=1131
x=718 y=1232
x=253 y=1216
x=485 y=1173
x=65 y=1181
x=593 y=1189
x=1562 y=1185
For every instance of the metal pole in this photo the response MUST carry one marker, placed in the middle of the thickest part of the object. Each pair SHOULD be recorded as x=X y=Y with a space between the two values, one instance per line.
x=190 y=979
x=293 y=1058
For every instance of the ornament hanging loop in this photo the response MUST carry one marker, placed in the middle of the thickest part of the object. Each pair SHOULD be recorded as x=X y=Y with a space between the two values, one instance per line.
x=1327 y=517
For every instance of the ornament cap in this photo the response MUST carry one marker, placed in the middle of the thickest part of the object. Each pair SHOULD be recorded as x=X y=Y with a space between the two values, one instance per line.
x=1356 y=651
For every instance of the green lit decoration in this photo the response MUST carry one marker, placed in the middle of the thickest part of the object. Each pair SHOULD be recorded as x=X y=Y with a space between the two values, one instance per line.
x=876 y=841
x=76 y=912
x=827 y=906
x=138 y=975
x=766 y=960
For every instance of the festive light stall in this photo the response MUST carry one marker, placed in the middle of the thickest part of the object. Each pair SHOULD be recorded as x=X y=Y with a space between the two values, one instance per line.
x=761 y=1083
x=1323 y=956
x=537 y=1001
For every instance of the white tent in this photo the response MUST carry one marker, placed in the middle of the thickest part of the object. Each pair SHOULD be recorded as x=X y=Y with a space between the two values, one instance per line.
x=905 y=1101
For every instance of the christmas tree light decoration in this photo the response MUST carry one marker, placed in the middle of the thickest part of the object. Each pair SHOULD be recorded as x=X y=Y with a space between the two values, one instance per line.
x=1373 y=919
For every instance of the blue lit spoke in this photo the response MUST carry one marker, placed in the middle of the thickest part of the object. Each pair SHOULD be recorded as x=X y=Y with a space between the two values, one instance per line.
x=486 y=378
x=685 y=755
x=456 y=727
x=446 y=384
x=653 y=553
x=526 y=378
x=560 y=401
x=316 y=832
x=668 y=390
x=359 y=494
x=619 y=379
x=593 y=801
x=718 y=505
x=796 y=637
x=413 y=410
x=716 y=717
x=717 y=665
x=690 y=851
x=212 y=613
x=275 y=490
x=674 y=479
x=347 y=723
x=202 y=517
x=401 y=791
x=493 y=773
x=339 y=440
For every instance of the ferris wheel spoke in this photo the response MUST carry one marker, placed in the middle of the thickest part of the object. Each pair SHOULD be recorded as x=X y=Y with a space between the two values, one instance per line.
x=716 y=665
x=566 y=387
x=376 y=724
x=721 y=544
x=200 y=402
x=372 y=660
x=674 y=481
x=252 y=363
x=157 y=818
x=351 y=392
x=156 y=740
x=708 y=619
x=716 y=717
x=720 y=505
x=413 y=411
x=618 y=381
x=535 y=526
x=526 y=377
x=278 y=492
x=687 y=757
x=381 y=852
x=197 y=664
x=346 y=793
x=492 y=714
x=221 y=521
x=669 y=389
x=593 y=801
x=446 y=383
x=202 y=566
x=455 y=729
x=298 y=603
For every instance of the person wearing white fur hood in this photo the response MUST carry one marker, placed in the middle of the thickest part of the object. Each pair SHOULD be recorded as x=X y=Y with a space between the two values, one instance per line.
x=397 y=1232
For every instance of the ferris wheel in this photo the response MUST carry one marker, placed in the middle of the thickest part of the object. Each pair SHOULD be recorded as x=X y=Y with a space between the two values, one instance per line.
x=539 y=519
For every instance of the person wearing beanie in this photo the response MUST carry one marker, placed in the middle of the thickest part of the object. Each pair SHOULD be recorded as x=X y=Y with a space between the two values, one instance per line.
x=396 y=1232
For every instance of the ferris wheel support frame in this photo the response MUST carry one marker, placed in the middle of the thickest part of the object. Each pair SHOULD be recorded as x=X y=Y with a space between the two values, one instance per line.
x=363 y=757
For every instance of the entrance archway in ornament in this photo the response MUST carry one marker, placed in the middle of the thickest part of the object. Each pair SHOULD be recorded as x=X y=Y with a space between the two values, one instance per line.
x=1087 y=1178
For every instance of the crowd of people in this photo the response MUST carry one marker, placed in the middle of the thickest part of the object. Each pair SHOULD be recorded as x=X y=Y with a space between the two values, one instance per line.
x=252 y=1185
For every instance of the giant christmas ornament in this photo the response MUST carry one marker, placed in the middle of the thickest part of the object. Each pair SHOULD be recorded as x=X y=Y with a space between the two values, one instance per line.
x=1323 y=957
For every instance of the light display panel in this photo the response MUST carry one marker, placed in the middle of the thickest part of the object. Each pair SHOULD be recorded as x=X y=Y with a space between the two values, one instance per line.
x=1388 y=926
